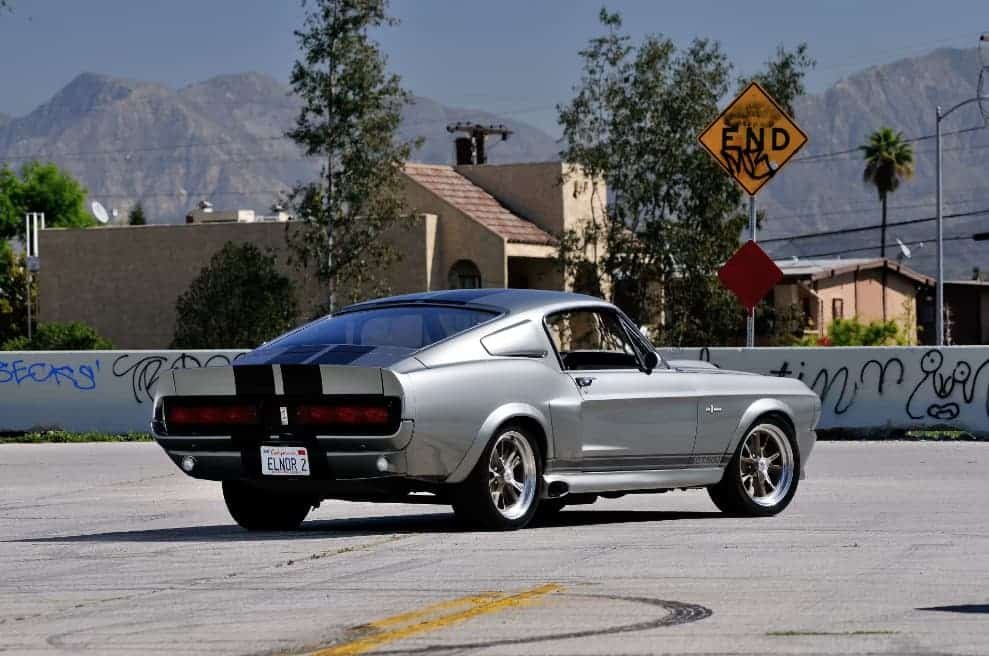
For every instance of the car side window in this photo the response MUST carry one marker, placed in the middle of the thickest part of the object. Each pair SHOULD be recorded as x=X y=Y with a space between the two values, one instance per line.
x=591 y=339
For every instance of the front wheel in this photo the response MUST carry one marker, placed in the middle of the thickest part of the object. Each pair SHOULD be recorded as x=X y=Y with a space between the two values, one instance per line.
x=761 y=478
x=261 y=510
x=502 y=492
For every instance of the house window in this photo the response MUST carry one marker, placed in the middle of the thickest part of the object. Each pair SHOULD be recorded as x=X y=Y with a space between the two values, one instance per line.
x=464 y=274
x=837 y=308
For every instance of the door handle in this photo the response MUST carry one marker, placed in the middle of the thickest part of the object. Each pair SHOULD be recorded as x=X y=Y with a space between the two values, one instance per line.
x=584 y=381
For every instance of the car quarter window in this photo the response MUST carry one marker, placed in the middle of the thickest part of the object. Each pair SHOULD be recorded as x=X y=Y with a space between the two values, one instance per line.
x=591 y=339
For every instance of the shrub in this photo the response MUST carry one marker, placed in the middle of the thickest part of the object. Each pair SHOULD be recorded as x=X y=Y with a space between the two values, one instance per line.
x=71 y=336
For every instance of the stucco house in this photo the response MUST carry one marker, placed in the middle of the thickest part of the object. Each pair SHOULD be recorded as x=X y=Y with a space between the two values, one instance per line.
x=475 y=226
x=829 y=289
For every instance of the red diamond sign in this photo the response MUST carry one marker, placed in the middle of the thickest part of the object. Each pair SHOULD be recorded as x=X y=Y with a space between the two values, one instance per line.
x=750 y=274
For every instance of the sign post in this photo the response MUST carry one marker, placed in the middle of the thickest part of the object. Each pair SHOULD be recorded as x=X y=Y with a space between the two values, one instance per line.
x=752 y=139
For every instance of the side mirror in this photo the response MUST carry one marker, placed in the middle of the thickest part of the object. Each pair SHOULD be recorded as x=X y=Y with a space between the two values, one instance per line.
x=651 y=361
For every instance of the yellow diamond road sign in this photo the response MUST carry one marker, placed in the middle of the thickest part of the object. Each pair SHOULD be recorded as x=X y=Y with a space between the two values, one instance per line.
x=753 y=138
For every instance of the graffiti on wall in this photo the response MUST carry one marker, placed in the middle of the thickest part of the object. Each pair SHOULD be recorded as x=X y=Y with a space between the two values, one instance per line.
x=144 y=370
x=43 y=372
x=928 y=386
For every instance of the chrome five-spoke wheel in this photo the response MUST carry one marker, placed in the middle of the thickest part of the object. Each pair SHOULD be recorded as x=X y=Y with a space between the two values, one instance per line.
x=502 y=491
x=762 y=477
x=512 y=475
x=766 y=465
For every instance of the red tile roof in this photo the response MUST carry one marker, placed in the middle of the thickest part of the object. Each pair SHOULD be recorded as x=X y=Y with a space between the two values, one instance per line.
x=476 y=203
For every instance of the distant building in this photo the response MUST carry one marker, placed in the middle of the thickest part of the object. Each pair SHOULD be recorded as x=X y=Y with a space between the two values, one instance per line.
x=829 y=289
x=476 y=226
x=966 y=305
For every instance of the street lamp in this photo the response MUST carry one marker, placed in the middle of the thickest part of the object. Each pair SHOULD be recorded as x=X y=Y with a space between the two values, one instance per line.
x=981 y=97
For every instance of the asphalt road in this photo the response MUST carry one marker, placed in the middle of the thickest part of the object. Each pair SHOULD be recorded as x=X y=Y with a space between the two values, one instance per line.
x=107 y=548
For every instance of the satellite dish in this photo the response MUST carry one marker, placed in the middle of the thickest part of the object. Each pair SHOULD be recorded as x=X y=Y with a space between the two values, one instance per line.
x=904 y=251
x=99 y=212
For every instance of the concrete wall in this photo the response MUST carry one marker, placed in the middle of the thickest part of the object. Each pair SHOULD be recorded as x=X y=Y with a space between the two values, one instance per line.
x=124 y=280
x=860 y=388
x=871 y=388
x=108 y=391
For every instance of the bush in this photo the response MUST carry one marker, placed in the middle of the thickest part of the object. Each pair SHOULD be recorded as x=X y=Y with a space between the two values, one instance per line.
x=852 y=332
x=238 y=300
x=71 y=336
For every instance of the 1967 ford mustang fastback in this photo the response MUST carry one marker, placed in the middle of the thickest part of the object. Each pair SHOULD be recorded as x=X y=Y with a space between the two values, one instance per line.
x=503 y=403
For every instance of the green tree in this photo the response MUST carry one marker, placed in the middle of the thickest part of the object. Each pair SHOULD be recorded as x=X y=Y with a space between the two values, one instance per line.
x=136 y=215
x=888 y=160
x=41 y=188
x=238 y=300
x=13 y=294
x=349 y=120
x=672 y=216
x=71 y=336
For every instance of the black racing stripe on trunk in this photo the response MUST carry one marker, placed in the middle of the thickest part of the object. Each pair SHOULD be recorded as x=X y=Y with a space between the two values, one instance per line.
x=254 y=379
x=302 y=380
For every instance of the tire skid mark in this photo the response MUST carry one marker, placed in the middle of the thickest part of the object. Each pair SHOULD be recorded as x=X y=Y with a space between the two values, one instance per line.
x=677 y=613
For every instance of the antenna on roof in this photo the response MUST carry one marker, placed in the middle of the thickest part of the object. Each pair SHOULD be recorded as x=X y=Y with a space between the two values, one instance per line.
x=904 y=251
x=99 y=212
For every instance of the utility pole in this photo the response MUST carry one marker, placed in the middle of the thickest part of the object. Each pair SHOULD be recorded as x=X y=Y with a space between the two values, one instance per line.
x=33 y=221
x=750 y=322
x=470 y=150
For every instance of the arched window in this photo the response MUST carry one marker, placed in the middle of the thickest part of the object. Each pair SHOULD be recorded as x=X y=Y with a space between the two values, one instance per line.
x=464 y=274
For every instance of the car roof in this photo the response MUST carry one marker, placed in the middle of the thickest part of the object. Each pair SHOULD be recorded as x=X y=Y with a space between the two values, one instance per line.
x=508 y=300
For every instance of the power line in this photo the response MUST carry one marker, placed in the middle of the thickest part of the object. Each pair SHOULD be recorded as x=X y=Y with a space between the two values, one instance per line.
x=975 y=194
x=839 y=153
x=876 y=247
x=848 y=231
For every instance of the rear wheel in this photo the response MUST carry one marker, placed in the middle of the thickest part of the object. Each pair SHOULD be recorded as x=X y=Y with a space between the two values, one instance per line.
x=262 y=510
x=501 y=492
x=761 y=478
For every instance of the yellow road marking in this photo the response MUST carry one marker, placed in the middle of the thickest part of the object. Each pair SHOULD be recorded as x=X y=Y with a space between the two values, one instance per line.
x=406 y=618
x=478 y=605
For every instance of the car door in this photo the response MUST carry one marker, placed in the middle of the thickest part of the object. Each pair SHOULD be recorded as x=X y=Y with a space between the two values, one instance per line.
x=629 y=419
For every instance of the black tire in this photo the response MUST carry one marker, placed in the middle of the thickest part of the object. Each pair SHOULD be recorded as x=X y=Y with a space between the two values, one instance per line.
x=262 y=510
x=731 y=495
x=473 y=500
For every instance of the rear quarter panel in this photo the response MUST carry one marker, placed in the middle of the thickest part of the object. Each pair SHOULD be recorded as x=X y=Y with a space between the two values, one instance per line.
x=459 y=406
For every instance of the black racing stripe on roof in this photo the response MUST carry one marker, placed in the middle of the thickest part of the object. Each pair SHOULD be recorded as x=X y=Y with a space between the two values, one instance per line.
x=254 y=379
x=343 y=354
x=302 y=379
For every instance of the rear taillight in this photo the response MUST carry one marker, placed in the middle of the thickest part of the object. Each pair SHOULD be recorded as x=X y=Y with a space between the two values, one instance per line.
x=342 y=415
x=211 y=415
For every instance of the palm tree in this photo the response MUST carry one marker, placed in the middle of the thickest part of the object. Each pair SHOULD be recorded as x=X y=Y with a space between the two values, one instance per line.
x=888 y=160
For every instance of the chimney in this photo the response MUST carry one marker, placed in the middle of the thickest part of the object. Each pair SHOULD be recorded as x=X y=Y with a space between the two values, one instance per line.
x=464 y=151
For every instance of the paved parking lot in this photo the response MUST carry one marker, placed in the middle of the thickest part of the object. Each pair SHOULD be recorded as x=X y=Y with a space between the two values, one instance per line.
x=107 y=548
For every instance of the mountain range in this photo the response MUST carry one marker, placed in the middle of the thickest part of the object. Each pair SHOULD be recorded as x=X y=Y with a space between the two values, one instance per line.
x=223 y=140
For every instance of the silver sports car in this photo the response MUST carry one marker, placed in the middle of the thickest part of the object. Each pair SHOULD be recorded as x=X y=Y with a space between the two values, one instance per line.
x=503 y=403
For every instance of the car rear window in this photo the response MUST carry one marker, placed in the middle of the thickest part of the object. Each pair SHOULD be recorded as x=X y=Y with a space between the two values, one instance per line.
x=411 y=327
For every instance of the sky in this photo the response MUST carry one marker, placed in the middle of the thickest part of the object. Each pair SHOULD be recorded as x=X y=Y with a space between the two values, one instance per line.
x=517 y=58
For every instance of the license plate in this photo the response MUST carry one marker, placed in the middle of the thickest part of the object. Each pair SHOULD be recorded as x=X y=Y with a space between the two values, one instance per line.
x=284 y=461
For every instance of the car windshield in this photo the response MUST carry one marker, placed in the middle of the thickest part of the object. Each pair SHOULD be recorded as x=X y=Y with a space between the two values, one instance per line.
x=410 y=327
